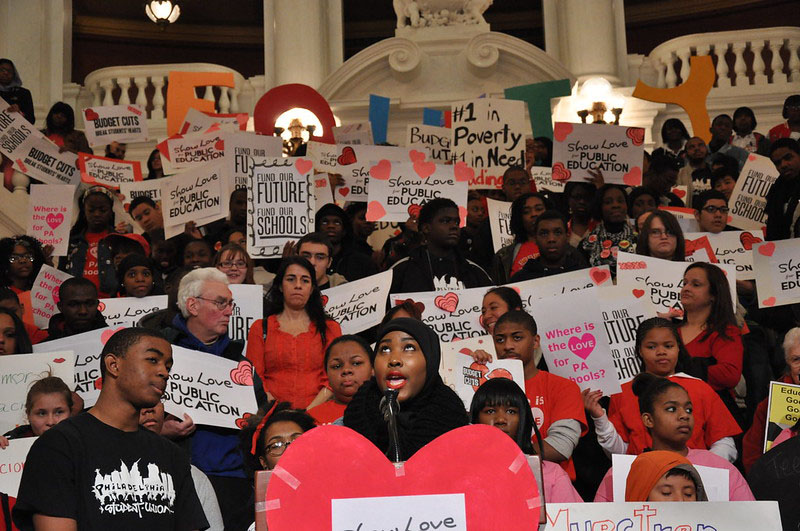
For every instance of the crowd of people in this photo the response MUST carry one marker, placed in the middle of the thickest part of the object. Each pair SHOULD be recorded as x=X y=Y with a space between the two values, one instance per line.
x=700 y=398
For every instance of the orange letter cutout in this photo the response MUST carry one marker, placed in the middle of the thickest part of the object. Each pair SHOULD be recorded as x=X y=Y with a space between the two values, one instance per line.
x=691 y=94
x=181 y=96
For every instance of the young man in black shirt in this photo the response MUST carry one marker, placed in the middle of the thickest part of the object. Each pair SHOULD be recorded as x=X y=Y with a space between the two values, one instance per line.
x=555 y=254
x=100 y=470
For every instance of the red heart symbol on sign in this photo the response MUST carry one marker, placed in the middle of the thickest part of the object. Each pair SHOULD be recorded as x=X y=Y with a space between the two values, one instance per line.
x=448 y=302
x=748 y=240
x=106 y=335
x=219 y=145
x=769 y=302
x=751 y=157
x=424 y=169
x=303 y=165
x=90 y=114
x=560 y=173
x=242 y=374
x=418 y=305
x=348 y=156
x=463 y=172
x=680 y=192
x=413 y=211
x=599 y=275
x=633 y=177
x=416 y=156
x=344 y=190
x=54 y=220
x=562 y=130
x=375 y=211
x=324 y=300
x=767 y=249
x=479 y=367
x=638 y=293
x=98 y=384
x=499 y=373
x=636 y=134
x=58 y=360
x=381 y=171
x=334 y=462
x=101 y=306
x=242 y=422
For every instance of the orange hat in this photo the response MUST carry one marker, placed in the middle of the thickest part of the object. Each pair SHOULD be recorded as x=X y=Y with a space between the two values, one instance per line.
x=138 y=238
x=649 y=467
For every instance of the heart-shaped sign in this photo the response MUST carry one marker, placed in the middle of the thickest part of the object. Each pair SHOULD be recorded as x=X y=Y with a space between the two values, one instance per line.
x=303 y=165
x=462 y=216
x=416 y=156
x=751 y=157
x=599 y=275
x=680 y=192
x=767 y=249
x=463 y=172
x=748 y=240
x=54 y=220
x=633 y=177
x=638 y=293
x=344 y=190
x=347 y=157
x=335 y=463
x=560 y=173
x=424 y=169
x=636 y=134
x=582 y=346
x=375 y=211
x=381 y=170
x=562 y=130
x=447 y=302
x=90 y=114
x=243 y=373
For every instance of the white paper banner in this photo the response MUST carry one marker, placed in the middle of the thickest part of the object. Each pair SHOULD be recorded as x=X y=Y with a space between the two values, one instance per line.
x=453 y=315
x=749 y=196
x=732 y=247
x=436 y=140
x=193 y=195
x=555 y=285
x=50 y=215
x=108 y=172
x=127 y=311
x=248 y=306
x=716 y=481
x=42 y=294
x=115 y=123
x=13 y=463
x=432 y=511
x=777 y=266
x=360 y=304
x=242 y=148
x=353 y=164
x=195 y=149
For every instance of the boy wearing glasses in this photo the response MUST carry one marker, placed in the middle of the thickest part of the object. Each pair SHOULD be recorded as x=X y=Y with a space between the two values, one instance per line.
x=317 y=249
x=711 y=211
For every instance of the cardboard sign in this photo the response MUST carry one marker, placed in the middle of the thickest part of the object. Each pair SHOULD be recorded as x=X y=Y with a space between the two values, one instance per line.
x=398 y=190
x=108 y=172
x=197 y=121
x=782 y=410
x=131 y=191
x=354 y=134
x=543 y=177
x=489 y=135
x=659 y=280
x=214 y=391
x=716 y=481
x=615 y=150
x=50 y=215
x=353 y=163
x=44 y=294
x=663 y=516
x=193 y=195
x=573 y=342
x=464 y=375
x=749 y=196
x=453 y=315
x=248 y=307
x=413 y=512
x=195 y=149
x=777 y=266
x=279 y=204
x=19 y=372
x=14 y=457
x=732 y=247
x=87 y=348
x=685 y=217
x=360 y=304
x=555 y=285
x=127 y=311
x=499 y=223
x=437 y=140
x=240 y=150
x=115 y=123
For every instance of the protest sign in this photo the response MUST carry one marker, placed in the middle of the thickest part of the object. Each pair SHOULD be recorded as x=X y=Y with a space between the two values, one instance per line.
x=782 y=410
x=87 y=348
x=615 y=150
x=436 y=140
x=279 y=204
x=660 y=281
x=749 y=196
x=573 y=343
x=360 y=304
x=399 y=189
x=131 y=191
x=353 y=164
x=193 y=195
x=685 y=217
x=14 y=456
x=553 y=286
x=543 y=177
x=127 y=311
x=453 y=314
x=248 y=307
x=663 y=516
x=19 y=372
x=699 y=249
x=354 y=134
x=464 y=375
x=431 y=510
x=115 y=123
x=733 y=247
x=197 y=121
x=194 y=149
x=622 y=313
x=499 y=223
x=50 y=215
x=108 y=172
x=383 y=231
x=777 y=266
x=44 y=294
x=213 y=390
x=716 y=481
x=240 y=150
x=489 y=136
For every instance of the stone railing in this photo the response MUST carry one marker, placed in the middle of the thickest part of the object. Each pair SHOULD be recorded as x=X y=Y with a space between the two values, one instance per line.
x=763 y=56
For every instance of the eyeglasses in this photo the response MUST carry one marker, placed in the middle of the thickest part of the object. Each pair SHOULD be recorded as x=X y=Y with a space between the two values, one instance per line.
x=661 y=232
x=220 y=304
x=319 y=257
x=20 y=258
x=715 y=209
x=278 y=447
x=229 y=264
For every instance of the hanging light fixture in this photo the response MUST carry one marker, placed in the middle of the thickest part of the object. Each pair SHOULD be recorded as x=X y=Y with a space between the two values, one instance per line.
x=162 y=12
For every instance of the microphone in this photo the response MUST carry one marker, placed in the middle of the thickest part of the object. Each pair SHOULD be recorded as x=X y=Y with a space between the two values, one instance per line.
x=390 y=407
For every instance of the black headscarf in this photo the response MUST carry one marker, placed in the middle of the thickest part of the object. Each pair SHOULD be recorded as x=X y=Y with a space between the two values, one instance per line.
x=435 y=410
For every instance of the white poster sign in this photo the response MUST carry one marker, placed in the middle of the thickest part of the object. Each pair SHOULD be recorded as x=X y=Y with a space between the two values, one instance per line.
x=353 y=164
x=197 y=121
x=360 y=304
x=50 y=215
x=715 y=480
x=115 y=123
x=195 y=149
x=436 y=140
x=430 y=511
x=453 y=315
x=749 y=196
x=241 y=150
x=777 y=266
x=13 y=464
x=131 y=191
x=127 y=311
x=499 y=223
x=107 y=171
x=622 y=313
x=44 y=294
x=555 y=285
x=193 y=195
x=248 y=307
x=732 y=247
x=354 y=134
x=543 y=177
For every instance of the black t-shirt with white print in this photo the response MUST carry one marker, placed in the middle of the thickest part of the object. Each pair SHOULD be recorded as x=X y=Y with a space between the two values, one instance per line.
x=105 y=478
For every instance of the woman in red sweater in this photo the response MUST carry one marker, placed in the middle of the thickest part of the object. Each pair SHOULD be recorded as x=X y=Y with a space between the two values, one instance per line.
x=289 y=353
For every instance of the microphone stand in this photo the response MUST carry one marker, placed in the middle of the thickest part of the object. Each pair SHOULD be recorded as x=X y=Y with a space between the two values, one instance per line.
x=390 y=407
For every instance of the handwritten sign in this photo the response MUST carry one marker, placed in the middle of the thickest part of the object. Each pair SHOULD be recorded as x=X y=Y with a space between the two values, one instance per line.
x=543 y=177
x=44 y=294
x=128 y=311
x=115 y=123
x=353 y=134
x=659 y=280
x=398 y=190
x=464 y=375
x=436 y=140
x=453 y=315
x=622 y=313
x=19 y=372
x=108 y=172
x=50 y=215
x=279 y=205
x=716 y=481
x=360 y=304
x=783 y=410
x=248 y=306
x=732 y=247
x=13 y=464
x=197 y=121
x=555 y=285
x=499 y=223
x=431 y=511
x=489 y=135
x=663 y=516
x=615 y=150
x=213 y=390
x=194 y=194
x=573 y=343
x=240 y=150
x=777 y=272
x=195 y=149
x=353 y=164
x=749 y=196
x=132 y=190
